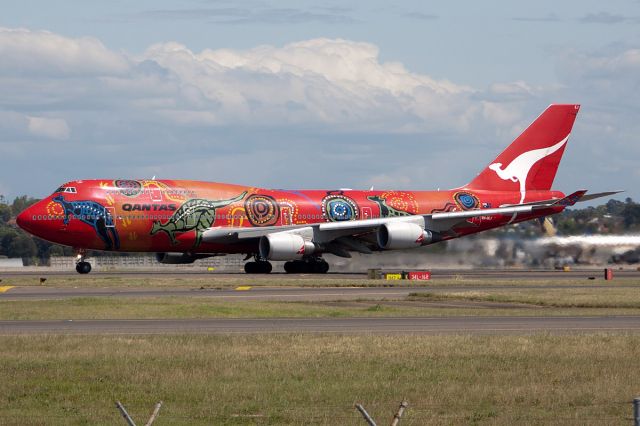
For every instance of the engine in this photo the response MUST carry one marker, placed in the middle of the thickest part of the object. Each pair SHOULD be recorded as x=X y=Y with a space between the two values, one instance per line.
x=178 y=258
x=285 y=246
x=402 y=235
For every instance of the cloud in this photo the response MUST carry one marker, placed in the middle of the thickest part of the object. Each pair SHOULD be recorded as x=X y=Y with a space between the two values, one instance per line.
x=551 y=17
x=421 y=16
x=314 y=113
x=44 y=53
x=317 y=81
x=607 y=18
x=52 y=128
x=236 y=15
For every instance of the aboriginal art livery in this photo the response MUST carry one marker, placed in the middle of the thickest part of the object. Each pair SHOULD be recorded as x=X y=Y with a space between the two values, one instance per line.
x=183 y=221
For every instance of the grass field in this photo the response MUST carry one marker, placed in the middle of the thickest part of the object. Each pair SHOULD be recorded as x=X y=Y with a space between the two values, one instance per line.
x=298 y=379
x=202 y=307
x=316 y=379
x=612 y=297
x=231 y=281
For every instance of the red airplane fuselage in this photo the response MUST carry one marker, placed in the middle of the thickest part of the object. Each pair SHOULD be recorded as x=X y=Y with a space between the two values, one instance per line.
x=172 y=215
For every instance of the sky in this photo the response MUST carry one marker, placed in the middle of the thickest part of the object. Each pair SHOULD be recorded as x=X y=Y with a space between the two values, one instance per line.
x=289 y=94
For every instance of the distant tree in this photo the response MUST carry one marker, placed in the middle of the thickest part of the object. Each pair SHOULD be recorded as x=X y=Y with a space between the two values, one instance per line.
x=22 y=246
x=631 y=215
x=21 y=203
x=5 y=213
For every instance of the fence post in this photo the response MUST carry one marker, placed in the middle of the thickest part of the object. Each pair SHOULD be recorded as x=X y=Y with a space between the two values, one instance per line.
x=636 y=411
x=155 y=414
x=366 y=415
x=396 y=417
x=124 y=413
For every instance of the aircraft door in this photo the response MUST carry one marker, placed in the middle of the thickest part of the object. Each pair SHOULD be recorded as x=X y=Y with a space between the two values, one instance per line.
x=285 y=215
x=111 y=211
x=366 y=213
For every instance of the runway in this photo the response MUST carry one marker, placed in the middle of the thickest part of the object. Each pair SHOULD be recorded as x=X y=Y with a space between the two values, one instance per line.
x=449 y=325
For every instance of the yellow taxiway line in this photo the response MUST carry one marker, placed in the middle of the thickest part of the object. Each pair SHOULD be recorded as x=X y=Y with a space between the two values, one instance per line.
x=5 y=288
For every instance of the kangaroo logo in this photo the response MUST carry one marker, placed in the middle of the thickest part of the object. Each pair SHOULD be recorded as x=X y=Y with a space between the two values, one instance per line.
x=519 y=168
x=94 y=215
x=385 y=209
x=197 y=215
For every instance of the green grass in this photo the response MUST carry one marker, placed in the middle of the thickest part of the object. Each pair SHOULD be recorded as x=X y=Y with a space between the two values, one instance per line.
x=612 y=297
x=316 y=379
x=202 y=307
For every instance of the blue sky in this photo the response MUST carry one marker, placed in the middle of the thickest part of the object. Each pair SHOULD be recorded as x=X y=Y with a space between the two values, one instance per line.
x=407 y=95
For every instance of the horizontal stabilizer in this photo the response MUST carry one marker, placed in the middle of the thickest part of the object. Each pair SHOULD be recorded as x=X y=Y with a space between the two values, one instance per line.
x=598 y=195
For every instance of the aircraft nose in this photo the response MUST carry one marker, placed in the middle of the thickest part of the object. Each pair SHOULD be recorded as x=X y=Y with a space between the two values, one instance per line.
x=32 y=219
x=25 y=219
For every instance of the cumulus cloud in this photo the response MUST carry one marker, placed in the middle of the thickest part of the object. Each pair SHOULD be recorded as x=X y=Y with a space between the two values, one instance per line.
x=41 y=52
x=315 y=81
x=320 y=112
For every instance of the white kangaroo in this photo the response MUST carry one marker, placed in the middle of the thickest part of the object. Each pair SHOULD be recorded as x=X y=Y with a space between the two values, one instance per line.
x=518 y=169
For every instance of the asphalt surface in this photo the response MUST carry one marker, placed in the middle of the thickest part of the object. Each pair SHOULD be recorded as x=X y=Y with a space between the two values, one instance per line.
x=451 y=325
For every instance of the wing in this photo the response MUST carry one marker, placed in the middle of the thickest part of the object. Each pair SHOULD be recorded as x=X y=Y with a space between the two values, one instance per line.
x=359 y=235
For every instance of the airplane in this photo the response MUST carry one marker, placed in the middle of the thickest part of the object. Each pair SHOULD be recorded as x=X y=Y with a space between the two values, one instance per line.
x=182 y=221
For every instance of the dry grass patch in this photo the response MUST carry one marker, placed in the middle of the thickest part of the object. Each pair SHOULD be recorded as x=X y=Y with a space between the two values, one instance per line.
x=315 y=379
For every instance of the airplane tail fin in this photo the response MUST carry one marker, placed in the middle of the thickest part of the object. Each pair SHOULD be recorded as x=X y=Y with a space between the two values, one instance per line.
x=532 y=159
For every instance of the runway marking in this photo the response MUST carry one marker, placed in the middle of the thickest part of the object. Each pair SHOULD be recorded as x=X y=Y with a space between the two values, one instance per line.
x=5 y=288
x=243 y=288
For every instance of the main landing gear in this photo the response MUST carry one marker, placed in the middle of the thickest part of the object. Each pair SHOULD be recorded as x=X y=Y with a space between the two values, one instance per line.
x=82 y=266
x=311 y=265
x=259 y=266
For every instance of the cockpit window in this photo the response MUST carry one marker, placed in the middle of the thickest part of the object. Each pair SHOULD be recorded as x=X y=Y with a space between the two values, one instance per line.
x=67 y=189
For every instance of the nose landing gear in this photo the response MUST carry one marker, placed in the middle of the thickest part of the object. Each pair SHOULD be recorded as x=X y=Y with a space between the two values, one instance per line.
x=82 y=266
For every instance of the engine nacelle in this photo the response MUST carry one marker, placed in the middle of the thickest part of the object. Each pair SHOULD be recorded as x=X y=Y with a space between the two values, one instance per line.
x=285 y=246
x=178 y=258
x=402 y=235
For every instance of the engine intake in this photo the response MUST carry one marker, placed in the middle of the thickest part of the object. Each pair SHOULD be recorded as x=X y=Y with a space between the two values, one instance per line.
x=397 y=236
x=285 y=246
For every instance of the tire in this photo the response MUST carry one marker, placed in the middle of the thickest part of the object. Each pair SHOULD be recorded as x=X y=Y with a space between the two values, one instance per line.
x=83 y=267
x=251 y=267
x=258 y=267
x=290 y=267
x=321 y=267
x=265 y=267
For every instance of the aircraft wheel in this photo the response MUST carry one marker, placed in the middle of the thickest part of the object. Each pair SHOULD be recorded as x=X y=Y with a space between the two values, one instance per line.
x=265 y=267
x=292 y=267
x=258 y=267
x=251 y=267
x=83 y=267
x=321 y=267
